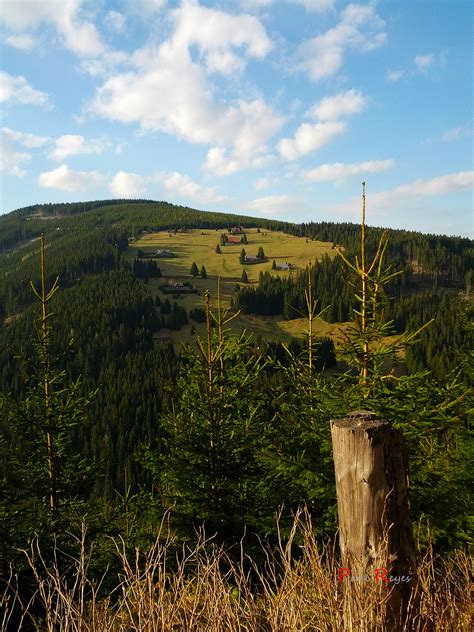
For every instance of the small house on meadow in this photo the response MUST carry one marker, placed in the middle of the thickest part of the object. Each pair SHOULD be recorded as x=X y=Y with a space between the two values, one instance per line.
x=164 y=253
x=250 y=259
x=233 y=240
x=283 y=266
x=236 y=230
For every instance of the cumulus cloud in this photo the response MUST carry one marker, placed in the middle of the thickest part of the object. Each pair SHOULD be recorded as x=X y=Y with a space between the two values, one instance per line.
x=263 y=183
x=423 y=62
x=359 y=29
x=339 y=105
x=406 y=194
x=127 y=185
x=66 y=179
x=455 y=133
x=394 y=75
x=183 y=186
x=25 y=139
x=312 y=6
x=144 y=8
x=18 y=90
x=274 y=205
x=77 y=33
x=168 y=89
x=11 y=160
x=21 y=42
x=115 y=21
x=309 y=138
x=341 y=170
x=72 y=144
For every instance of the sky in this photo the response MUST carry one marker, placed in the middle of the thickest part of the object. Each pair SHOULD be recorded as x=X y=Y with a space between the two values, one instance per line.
x=269 y=108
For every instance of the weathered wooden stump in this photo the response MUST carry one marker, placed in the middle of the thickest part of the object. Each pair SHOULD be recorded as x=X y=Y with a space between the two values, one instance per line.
x=376 y=540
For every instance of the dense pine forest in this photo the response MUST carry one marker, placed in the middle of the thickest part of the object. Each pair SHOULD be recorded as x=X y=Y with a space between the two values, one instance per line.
x=229 y=431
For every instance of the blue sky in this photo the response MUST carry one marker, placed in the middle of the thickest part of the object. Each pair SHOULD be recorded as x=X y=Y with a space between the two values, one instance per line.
x=274 y=108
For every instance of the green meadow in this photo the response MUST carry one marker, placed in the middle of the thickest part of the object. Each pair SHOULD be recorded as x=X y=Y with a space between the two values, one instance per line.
x=199 y=246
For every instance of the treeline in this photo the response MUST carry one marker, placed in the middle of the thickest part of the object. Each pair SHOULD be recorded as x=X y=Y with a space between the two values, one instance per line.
x=111 y=320
x=437 y=259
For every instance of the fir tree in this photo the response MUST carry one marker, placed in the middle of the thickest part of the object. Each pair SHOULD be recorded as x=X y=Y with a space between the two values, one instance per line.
x=218 y=249
x=203 y=272
x=194 y=269
x=244 y=278
x=242 y=256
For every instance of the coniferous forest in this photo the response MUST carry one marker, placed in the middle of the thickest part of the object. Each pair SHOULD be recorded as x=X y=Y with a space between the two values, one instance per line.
x=111 y=438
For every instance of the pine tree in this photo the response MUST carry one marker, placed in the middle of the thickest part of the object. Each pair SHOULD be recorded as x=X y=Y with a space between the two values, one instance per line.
x=210 y=471
x=194 y=269
x=40 y=471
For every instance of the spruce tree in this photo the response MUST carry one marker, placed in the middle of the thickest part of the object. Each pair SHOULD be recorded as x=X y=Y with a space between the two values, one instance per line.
x=242 y=256
x=244 y=278
x=261 y=253
x=194 y=269
x=203 y=272
x=218 y=249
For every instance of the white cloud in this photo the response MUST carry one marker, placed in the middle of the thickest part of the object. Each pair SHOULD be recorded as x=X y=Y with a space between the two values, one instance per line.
x=274 y=205
x=407 y=194
x=225 y=41
x=22 y=42
x=77 y=34
x=309 y=138
x=263 y=183
x=342 y=104
x=169 y=91
x=340 y=170
x=182 y=185
x=144 y=8
x=221 y=162
x=115 y=21
x=18 y=90
x=127 y=185
x=423 y=62
x=27 y=140
x=395 y=75
x=456 y=133
x=11 y=160
x=359 y=29
x=66 y=179
x=316 y=6
x=72 y=144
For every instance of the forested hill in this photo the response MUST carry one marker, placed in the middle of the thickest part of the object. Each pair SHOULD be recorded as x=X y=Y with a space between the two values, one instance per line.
x=106 y=340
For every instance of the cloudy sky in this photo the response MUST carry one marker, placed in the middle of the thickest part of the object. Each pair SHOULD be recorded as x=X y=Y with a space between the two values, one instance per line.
x=275 y=108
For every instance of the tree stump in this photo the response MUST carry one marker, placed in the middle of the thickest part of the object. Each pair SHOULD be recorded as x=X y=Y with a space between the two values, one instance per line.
x=375 y=534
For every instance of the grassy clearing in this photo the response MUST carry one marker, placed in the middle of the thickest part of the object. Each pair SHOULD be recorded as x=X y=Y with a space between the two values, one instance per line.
x=203 y=589
x=199 y=246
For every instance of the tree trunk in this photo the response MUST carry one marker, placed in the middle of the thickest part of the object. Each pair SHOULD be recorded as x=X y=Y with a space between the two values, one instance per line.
x=375 y=531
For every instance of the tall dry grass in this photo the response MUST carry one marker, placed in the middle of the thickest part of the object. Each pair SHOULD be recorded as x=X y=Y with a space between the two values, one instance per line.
x=203 y=589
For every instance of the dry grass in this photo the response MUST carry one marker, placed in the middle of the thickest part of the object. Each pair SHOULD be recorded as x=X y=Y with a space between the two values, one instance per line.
x=207 y=591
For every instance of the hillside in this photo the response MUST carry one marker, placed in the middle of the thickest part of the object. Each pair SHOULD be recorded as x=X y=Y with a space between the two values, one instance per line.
x=199 y=246
x=116 y=314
